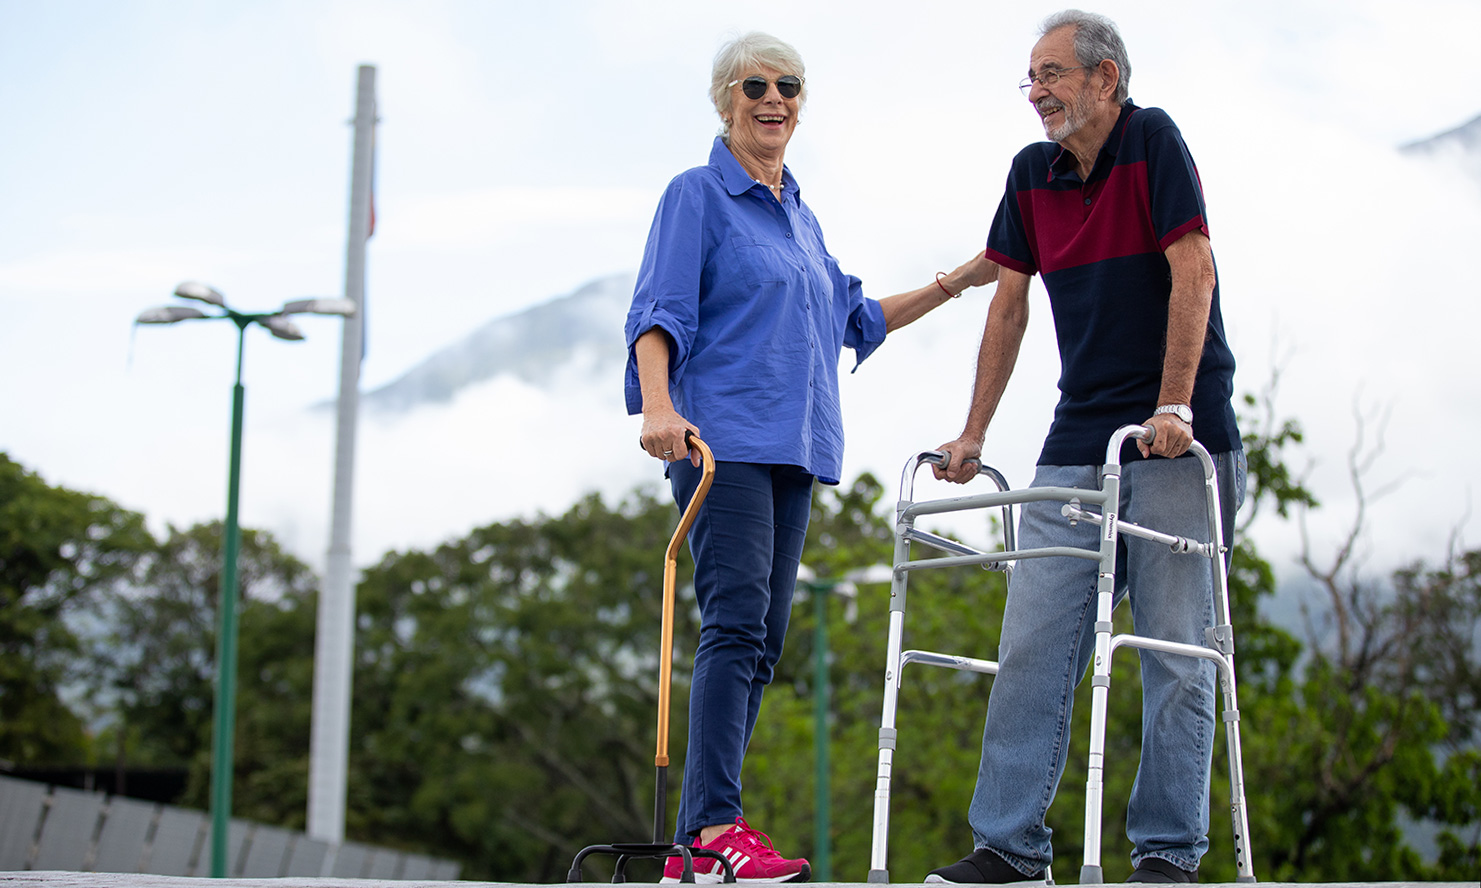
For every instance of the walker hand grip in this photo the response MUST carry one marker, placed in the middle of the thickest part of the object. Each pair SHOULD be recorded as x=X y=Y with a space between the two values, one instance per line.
x=943 y=460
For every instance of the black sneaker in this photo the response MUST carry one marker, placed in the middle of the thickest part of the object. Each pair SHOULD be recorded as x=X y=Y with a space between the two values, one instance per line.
x=1155 y=869
x=982 y=867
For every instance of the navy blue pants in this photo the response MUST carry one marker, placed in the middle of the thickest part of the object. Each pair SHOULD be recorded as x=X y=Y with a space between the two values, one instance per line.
x=747 y=542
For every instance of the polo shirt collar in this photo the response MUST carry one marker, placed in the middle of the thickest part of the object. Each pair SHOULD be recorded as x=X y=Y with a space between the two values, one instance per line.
x=1064 y=162
x=737 y=180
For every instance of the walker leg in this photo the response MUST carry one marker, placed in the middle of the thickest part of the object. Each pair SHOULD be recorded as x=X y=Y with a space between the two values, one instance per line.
x=879 y=848
x=1238 y=805
x=1100 y=680
x=1090 y=871
x=1221 y=638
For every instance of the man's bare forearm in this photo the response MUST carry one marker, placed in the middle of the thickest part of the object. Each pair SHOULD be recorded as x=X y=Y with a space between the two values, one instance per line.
x=1007 y=319
x=1192 y=264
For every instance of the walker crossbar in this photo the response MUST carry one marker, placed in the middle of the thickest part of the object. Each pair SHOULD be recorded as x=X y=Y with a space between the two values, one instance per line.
x=947 y=661
x=1219 y=648
x=991 y=558
x=1181 y=545
x=939 y=543
x=988 y=559
x=908 y=513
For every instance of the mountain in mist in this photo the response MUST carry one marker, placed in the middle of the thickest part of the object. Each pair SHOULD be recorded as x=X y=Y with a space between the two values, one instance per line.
x=1462 y=144
x=531 y=345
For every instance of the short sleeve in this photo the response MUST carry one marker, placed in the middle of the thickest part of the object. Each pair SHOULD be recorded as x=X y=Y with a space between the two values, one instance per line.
x=1172 y=181
x=1008 y=241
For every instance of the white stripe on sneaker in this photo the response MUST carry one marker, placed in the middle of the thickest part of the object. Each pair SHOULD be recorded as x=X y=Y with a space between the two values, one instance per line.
x=736 y=857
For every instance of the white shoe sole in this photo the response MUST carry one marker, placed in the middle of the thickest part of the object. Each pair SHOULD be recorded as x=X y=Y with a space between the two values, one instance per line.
x=934 y=879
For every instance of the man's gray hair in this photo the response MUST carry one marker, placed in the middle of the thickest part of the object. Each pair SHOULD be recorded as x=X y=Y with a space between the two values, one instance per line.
x=1096 y=39
x=748 y=52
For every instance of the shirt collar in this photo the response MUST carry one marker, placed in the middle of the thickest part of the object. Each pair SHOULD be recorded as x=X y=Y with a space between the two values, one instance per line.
x=737 y=180
x=1064 y=162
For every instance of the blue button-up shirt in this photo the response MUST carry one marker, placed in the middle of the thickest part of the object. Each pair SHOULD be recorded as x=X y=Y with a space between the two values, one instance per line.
x=757 y=312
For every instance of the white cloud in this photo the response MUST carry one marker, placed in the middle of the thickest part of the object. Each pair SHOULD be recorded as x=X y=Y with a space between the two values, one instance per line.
x=99 y=271
x=472 y=218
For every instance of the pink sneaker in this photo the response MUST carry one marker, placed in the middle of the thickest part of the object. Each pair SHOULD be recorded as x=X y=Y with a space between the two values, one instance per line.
x=751 y=855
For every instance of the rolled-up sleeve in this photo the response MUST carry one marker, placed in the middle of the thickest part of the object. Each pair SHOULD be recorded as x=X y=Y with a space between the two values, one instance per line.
x=667 y=292
x=865 y=329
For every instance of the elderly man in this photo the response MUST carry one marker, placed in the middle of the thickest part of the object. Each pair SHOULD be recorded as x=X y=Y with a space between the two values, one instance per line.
x=1110 y=212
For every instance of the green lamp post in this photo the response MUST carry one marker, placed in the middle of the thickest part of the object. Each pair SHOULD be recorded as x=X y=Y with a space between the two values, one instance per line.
x=278 y=324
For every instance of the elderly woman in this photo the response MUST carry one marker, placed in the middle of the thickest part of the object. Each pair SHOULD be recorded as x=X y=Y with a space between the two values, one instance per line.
x=735 y=332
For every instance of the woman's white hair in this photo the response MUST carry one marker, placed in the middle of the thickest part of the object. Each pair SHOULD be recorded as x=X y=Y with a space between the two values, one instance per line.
x=747 y=53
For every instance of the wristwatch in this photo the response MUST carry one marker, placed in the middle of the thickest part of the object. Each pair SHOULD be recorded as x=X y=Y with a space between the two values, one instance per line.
x=1181 y=411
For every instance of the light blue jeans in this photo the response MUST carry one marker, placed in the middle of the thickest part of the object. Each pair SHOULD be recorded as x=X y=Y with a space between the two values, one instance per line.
x=1048 y=643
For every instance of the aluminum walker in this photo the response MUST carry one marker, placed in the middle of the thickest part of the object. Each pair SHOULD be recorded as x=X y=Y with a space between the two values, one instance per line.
x=1219 y=646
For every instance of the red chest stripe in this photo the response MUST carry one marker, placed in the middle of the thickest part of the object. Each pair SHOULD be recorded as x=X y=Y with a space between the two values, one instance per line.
x=1107 y=219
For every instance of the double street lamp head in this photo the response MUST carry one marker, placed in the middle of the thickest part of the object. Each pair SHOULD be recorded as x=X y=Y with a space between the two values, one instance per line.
x=199 y=291
x=344 y=307
x=281 y=327
x=169 y=314
x=276 y=323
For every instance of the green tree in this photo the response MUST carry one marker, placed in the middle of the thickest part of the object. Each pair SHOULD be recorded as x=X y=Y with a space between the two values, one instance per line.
x=59 y=549
x=1443 y=605
x=1384 y=722
x=158 y=662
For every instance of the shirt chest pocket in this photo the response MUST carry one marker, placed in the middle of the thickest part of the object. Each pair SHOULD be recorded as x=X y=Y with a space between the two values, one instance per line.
x=760 y=262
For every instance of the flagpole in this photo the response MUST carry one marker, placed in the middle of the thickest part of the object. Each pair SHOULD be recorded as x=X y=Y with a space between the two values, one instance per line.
x=334 y=640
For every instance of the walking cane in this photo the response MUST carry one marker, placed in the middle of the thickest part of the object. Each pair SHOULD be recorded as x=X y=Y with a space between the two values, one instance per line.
x=659 y=847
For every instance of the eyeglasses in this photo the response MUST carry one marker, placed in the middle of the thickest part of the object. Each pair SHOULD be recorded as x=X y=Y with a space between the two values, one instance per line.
x=789 y=85
x=1048 y=77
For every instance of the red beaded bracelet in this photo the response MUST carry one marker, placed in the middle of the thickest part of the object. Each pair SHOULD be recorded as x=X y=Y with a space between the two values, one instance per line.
x=939 y=276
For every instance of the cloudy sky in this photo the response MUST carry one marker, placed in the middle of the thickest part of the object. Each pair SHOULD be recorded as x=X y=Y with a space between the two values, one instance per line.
x=522 y=148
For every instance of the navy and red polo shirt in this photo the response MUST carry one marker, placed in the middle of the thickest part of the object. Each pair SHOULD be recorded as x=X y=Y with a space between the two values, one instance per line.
x=1099 y=245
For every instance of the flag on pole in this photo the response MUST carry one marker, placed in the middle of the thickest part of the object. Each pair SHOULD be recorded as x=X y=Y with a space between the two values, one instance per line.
x=370 y=231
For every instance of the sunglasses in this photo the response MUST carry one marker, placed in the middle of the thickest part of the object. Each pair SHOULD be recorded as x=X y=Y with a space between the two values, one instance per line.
x=789 y=85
